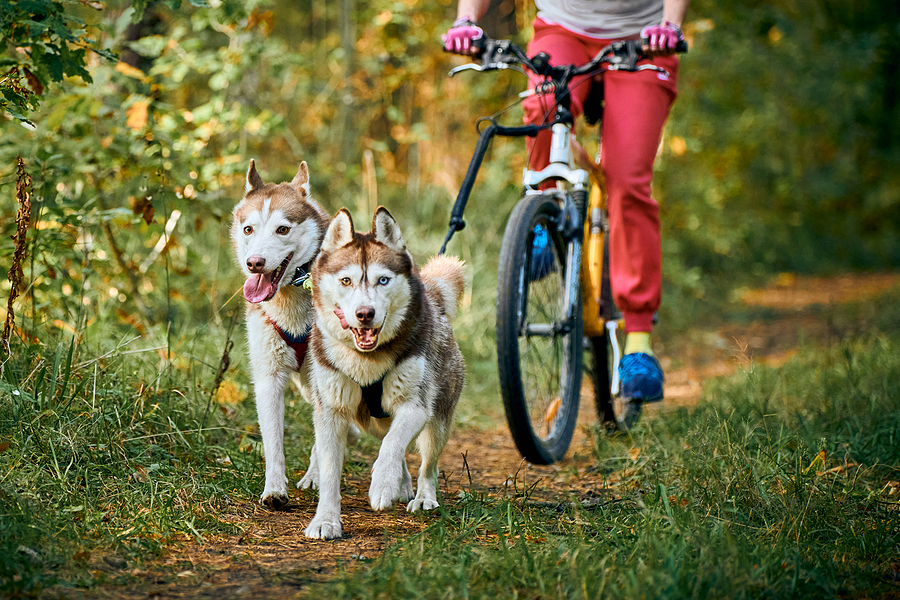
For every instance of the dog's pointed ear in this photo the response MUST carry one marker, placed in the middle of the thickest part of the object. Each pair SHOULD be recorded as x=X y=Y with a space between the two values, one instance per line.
x=254 y=181
x=340 y=231
x=301 y=179
x=387 y=231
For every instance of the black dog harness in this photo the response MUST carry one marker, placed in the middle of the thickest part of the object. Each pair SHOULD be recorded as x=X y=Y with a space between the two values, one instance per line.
x=372 y=396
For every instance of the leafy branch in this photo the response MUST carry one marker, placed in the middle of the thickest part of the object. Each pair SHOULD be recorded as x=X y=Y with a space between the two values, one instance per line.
x=48 y=43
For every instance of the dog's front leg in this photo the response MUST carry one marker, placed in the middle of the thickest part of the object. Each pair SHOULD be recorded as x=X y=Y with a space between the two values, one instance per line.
x=390 y=467
x=331 y=438
x=269 y=388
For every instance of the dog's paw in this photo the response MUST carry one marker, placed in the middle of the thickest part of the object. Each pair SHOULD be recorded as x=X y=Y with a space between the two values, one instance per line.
x=324 y=528
x=406 y=488
x=274 y=500
x=309 y=481
x=385 y=487
x=422 y=504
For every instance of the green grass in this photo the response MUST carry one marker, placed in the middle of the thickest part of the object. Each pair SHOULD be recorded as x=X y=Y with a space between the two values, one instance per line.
x=121 y=453
x=731 y=499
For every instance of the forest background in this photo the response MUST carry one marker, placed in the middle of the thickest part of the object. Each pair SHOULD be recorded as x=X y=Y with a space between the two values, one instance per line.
x=135 y=123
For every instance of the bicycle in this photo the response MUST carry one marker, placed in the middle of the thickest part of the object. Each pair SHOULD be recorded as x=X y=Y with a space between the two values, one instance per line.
x=551 y=302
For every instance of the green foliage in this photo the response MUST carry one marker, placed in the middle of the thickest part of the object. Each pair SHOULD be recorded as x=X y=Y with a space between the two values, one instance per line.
x=51 y=42
x=784 y=144
x=119 y=455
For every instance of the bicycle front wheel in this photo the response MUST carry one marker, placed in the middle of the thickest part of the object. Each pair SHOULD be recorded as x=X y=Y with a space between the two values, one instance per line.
x=538 y=349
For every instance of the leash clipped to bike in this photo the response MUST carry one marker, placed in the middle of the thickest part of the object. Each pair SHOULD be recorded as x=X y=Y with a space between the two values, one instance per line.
x=465 y=190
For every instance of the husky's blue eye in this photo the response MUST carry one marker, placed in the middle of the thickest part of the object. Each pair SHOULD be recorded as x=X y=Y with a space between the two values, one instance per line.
x=383 y=280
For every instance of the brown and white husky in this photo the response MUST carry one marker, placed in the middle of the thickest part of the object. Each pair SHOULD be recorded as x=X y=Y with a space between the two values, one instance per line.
x=276 y=233
x=383 y=356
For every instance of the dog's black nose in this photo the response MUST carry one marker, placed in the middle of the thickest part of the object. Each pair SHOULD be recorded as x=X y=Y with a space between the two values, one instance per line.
x=365 y=315
x=256 y=264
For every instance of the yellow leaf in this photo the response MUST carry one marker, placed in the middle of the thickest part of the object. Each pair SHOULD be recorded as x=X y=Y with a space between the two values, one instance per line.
x=128 y=70
x=817 y=464
x=634 y=453
x=137 y=115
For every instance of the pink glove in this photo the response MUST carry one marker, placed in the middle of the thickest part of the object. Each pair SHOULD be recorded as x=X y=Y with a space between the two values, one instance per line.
x=662 y=38
x=460 y=36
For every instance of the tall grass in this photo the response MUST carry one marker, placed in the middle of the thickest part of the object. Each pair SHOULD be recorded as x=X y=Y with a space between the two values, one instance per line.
x=119 y=454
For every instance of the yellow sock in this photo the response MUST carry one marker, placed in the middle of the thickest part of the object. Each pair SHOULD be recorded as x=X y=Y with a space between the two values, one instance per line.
x=638 y=341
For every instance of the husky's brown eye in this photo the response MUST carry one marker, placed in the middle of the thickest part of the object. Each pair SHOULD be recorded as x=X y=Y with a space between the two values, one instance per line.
x=248 y=230
x=282 y=230
x=345 y=281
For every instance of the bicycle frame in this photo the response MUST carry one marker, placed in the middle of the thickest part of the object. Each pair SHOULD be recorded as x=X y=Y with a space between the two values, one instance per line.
x=562 y=168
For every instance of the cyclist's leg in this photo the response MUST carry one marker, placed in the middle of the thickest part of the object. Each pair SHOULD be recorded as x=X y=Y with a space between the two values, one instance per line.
x=564 y=47
x=636 y=109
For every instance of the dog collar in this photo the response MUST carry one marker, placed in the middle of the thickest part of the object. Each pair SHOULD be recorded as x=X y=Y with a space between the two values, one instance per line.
x=301 y=276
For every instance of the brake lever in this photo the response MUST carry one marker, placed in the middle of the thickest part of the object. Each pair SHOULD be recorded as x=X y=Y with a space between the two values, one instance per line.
x=477 y=67
x=466 y=67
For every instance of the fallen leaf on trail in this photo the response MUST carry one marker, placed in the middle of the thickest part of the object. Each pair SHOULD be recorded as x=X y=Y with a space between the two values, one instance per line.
x=842 y=469
x=634 y=453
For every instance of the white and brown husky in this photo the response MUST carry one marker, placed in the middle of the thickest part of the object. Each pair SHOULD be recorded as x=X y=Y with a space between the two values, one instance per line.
x=276 y=234
x=382 y=356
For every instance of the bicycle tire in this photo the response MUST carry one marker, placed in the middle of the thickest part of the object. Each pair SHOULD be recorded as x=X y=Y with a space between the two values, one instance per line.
x=540 y=373
x=612 y=412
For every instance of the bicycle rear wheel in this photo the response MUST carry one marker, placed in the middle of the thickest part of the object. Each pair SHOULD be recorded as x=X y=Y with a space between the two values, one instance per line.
x=612 y=412
x=539 y=351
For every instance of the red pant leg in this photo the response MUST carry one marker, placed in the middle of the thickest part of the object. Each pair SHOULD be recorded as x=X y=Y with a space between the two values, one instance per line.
x=636 y=108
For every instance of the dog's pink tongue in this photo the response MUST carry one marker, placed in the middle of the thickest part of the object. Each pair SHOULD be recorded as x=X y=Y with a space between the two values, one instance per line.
x=258 y=288
x=340 y=315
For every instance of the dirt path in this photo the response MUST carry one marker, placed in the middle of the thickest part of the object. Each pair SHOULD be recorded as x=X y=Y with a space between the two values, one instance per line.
x=272 y=559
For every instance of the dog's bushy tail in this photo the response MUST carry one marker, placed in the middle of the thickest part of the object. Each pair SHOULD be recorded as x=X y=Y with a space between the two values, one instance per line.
x=445 y=275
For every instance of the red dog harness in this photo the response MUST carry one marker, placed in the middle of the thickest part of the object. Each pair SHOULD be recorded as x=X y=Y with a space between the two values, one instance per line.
x=298 y=343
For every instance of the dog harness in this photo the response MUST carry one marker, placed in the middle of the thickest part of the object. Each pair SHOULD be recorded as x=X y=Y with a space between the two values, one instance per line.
x=372 y=396
x=299 y=343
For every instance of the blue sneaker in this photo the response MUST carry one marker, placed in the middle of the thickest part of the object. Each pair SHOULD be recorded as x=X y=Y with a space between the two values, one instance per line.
x=542 y=263
x=641 y=378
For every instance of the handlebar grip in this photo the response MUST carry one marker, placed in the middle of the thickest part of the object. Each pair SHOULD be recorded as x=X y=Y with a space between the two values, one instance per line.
x=480 y=44
x=680 y=47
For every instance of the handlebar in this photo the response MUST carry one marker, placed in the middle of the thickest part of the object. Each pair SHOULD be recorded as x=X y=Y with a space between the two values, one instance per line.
x=622 y=55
